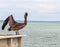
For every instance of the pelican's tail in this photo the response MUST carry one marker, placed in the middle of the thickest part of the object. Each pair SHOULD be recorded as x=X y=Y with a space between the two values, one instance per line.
x=5 y=23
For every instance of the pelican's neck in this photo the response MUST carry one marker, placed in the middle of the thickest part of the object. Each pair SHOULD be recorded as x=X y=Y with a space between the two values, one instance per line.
x=25 y=20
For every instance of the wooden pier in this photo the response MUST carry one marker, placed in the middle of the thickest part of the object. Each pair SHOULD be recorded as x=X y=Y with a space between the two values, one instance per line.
x=10 y=40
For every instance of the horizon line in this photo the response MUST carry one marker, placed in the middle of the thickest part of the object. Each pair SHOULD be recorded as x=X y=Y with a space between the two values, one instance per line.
x=31 y=20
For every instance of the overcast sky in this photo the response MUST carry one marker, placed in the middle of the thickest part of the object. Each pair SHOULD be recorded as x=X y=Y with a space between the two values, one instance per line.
x=38 y=10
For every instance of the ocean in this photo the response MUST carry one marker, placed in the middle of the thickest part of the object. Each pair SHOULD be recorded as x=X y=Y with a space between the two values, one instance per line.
x=39 y=34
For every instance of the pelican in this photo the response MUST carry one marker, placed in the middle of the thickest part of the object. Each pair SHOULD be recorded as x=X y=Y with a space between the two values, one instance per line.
x=14 y=26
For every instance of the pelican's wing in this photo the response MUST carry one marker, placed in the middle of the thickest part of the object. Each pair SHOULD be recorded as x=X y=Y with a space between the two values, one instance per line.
x=5 y=23
x=12 y=22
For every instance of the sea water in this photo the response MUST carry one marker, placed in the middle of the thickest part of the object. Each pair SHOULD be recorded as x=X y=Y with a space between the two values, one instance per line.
x=39 y=34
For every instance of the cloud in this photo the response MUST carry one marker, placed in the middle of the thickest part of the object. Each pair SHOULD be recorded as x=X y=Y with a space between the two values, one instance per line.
x=33 y=4
x=40 y=9
x=42 y=5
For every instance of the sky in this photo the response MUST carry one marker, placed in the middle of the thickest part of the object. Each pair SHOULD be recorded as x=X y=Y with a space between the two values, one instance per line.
x=38 y=10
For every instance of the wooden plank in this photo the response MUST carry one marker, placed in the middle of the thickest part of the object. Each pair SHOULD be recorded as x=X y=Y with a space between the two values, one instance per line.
x=15 y=42
x=19 y=42
x=9 y=42
x=3 y=46
x=11 y=36
x=3 y=43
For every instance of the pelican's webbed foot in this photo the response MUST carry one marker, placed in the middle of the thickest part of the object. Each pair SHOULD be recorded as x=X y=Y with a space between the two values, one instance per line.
x=17 y=33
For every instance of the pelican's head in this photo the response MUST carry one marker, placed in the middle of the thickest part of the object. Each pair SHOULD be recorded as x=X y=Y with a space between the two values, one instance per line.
x=26 y=14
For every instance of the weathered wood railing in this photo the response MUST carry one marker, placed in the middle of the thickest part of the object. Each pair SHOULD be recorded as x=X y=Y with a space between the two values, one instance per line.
x=10 y=40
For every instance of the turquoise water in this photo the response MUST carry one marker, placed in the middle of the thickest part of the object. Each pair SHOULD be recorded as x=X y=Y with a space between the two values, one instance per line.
x=39 y=34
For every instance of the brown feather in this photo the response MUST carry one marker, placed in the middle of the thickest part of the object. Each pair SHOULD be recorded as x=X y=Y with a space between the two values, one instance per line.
x=5 y=23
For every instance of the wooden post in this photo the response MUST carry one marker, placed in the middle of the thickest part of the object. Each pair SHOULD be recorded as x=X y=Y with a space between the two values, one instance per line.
x=19 y=42
x=9 y=41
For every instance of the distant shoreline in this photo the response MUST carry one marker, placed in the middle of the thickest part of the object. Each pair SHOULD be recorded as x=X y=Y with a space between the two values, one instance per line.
x=37 y=21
